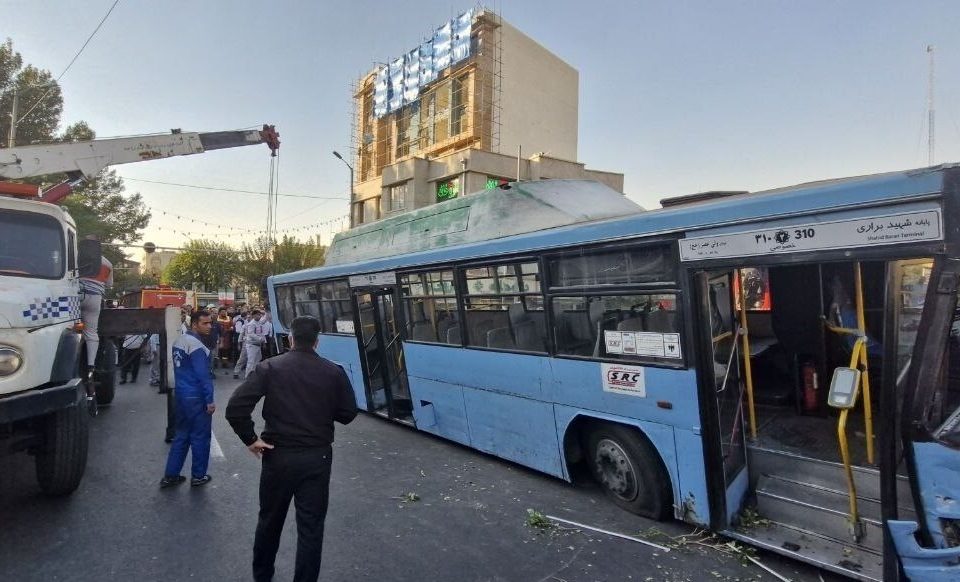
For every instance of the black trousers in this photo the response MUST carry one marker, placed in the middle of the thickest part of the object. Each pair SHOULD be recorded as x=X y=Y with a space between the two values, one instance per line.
x=301 y=474
x=130 y=364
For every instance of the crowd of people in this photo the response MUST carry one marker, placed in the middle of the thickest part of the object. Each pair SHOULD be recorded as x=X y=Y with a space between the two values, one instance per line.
x=240 y=337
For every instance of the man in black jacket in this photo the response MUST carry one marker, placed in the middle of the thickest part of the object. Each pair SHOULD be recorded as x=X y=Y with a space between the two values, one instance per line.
x=303 y=395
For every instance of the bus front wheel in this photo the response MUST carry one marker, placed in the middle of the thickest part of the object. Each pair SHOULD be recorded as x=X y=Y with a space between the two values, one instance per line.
x=629 y=470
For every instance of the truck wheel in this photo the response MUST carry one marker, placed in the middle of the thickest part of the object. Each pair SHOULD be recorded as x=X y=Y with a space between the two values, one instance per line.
x=106 y=374
x=62 y=457
x=629 y=470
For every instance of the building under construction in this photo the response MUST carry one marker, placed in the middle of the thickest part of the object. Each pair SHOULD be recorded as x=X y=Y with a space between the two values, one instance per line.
x=477 y=104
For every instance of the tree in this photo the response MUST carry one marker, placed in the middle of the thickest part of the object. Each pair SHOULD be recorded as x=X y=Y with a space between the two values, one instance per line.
x=267 y=257
x=38 y=94
x=207 y=263
x=99 y=206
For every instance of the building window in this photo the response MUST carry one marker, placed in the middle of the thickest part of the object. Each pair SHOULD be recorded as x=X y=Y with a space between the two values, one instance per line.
x=408 y=131
x=458 y=98
x=430 y=304
x=398 y=196
x=503 y=307
x=448 y=189
x=494 y=182
x=441 y=115
x=370 y=210
x=357 y=213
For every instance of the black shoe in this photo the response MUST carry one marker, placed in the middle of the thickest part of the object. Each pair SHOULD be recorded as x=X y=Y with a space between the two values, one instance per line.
x=92 y=408
x=236 y=376
x=171 y=481
x=198 y=481
x=123 y=381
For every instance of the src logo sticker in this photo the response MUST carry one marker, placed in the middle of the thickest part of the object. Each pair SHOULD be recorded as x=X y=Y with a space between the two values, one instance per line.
x=624 y=379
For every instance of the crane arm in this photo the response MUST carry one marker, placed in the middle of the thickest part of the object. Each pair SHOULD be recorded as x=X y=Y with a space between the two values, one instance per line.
x=89 y=158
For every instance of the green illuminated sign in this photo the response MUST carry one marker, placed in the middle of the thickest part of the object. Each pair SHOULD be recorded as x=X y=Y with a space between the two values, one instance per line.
x=448 y=190
x=491 y=183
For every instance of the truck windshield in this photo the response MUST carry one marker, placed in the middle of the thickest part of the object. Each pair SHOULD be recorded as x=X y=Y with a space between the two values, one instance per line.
x=31 y=245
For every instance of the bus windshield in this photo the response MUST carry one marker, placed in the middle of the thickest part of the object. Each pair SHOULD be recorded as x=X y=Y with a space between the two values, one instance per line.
x=31 y=245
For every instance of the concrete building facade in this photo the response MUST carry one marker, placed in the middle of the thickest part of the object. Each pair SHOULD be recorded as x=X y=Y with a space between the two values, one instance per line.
x=507 y=111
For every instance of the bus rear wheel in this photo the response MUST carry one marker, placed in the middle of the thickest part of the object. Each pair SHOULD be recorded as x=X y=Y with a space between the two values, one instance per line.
x=629 y=470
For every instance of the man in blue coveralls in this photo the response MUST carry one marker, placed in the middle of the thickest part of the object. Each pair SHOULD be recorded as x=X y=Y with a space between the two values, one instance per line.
x=193 y=397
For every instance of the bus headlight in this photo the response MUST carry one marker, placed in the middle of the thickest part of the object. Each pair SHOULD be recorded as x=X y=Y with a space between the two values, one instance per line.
x=10 y=361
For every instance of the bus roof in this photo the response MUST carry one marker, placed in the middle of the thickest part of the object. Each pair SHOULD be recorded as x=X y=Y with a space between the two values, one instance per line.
x=803 y=199
x=497 y=212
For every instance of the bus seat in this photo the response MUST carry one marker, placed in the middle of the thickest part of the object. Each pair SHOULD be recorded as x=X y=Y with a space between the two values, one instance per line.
x=500 y=337
x=527 y=331
x=423 y=331
x=444 y=326
x=453 y=335
x=661 y=321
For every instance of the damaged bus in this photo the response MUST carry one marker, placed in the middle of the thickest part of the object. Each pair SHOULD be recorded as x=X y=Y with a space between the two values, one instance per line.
x=782 y=367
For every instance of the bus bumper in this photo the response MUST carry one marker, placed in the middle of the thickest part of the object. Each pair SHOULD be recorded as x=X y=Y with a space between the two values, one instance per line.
x=34 y=403
x=929 y=565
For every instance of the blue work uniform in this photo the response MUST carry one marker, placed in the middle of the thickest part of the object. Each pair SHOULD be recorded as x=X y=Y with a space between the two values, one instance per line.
x=193 y=392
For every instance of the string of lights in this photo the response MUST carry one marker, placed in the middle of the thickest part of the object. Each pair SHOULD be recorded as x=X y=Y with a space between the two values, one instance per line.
x=230 y=230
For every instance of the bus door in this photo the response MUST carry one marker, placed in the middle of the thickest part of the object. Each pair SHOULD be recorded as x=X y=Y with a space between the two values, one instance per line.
x=384 y=370
x=929 y=378
x=722 y=373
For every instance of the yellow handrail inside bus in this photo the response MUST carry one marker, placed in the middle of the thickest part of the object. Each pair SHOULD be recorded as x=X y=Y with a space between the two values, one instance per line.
x=859 y=356
x=854 y=517
x=865 y=376
x=745 y=342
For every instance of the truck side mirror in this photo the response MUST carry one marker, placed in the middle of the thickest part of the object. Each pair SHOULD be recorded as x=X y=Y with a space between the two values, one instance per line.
x=90 y=255
x=844 y=388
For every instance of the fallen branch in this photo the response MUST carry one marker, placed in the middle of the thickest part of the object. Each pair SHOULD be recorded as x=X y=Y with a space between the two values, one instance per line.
x=769 y=570
x=609 y=533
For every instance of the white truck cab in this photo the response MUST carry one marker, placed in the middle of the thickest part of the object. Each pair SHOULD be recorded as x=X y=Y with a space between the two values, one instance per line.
x=41 y=392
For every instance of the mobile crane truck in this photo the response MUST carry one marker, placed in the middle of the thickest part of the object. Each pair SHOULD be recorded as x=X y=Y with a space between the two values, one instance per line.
x=42 y=257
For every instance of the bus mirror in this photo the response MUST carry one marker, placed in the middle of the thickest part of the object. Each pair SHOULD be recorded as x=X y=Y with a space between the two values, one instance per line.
x=844 y=388
x=90 y=253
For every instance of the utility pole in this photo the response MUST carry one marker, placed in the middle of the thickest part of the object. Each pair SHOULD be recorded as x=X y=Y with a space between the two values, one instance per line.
x=931 y=113
x=13 y=119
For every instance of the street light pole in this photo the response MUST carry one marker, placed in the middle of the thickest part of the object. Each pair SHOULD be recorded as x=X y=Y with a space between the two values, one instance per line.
x=339 y=157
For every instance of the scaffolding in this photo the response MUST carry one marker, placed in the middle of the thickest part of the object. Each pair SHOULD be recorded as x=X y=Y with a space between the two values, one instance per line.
x=460 y=109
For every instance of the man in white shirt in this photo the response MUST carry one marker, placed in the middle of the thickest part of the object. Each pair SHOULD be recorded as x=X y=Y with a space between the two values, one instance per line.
x=238 y=322
x=254 y=336
x=154 y=342
x=130 y=357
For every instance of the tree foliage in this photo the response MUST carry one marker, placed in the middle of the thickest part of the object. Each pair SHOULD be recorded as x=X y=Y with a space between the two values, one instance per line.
x=33 y=87
x=268 y=257
x=209 y=264
x=99 y=206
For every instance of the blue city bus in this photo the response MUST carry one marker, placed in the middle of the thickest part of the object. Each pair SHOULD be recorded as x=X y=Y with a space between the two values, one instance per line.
x=782 y=367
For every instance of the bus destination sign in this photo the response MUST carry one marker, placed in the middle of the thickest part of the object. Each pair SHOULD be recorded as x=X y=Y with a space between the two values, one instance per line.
x=384 y=279
x=901 y=227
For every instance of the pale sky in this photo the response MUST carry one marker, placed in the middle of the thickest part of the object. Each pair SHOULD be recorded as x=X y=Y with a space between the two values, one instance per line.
x=680 y=96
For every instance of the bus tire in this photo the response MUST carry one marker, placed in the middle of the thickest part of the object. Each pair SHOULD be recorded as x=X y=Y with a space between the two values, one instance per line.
x=629 y=470
x=62 y=457
x=106 y=374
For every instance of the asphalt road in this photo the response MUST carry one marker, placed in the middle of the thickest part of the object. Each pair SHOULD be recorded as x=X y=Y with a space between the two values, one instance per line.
x=405 y=506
